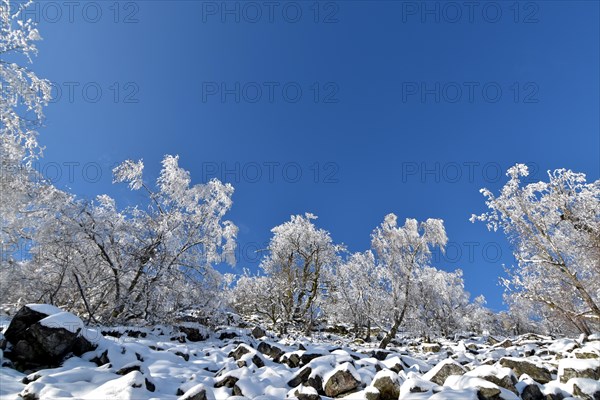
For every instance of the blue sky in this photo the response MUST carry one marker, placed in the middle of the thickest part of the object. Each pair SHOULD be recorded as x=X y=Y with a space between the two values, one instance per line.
x=381 y=106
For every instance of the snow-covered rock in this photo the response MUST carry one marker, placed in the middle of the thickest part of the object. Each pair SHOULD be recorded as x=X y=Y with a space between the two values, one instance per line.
x=484 y=388
x=197 y=392
x=501 y=376
x=519 y=366
x=415 y=384
x=271 y=350
x=443 y=370
x=27 y=316
x=342 y=379
x=154 y=363
x=258 y=332
x=578 y=368
x=531 y=392
x=43 y=335
x=306 y=393
x=388 y=384
x=587 y=389
x=193 y=333
x=431 y=347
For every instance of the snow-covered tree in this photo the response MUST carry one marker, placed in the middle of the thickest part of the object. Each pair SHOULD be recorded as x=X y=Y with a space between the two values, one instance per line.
x=403 y=252
x=300 y=260
x=143 y=262
x=24 y=94
x=25 y=199
x=443 y=305
x=357 y=294
x=554 y=228
x=22 y=100
x=258 y=295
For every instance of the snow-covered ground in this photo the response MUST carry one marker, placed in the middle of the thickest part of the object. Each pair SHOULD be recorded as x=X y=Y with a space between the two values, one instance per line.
x=159 y=363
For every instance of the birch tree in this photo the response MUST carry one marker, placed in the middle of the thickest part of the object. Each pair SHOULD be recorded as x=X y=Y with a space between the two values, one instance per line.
x=403 y=251
x=554 y=228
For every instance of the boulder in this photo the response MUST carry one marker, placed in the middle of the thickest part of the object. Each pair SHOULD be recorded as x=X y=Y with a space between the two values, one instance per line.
x=27 y=316
x=505 y=382
x=227 y=335
x=308 y=357
x=387 y=384
x=587 y=389
x=237 y=391
x=42 y=336
x=342 y=380
x=492 y=340
x=307 y=393
x=315 y=381
x=151 y=387
x=415 y=384
x=472 y=347
x=532 y=392
x=431 y=347
x=485 y=390
x=506 y=343
x=126 y=369
x=502 y=377
x=197 y=392
x=520 y=367
x=228 y=381
x=293 y=361
x=583 y=354
x=101 y=359
x=258 y=332
x=270 y=350
x=193 y=334
x=578 y=368
x=554 y=396
x=380 y=354
x=443 y=370
x=300 y=377
x=371 y=393
x=258 y=361
x=394 y=363
x=488 y=393
x=239 y=352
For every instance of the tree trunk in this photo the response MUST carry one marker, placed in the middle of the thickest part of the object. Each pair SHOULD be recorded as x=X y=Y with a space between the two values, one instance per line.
x=390 y=335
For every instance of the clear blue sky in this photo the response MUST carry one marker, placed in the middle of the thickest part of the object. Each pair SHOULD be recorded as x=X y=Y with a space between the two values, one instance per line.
x=389 y=91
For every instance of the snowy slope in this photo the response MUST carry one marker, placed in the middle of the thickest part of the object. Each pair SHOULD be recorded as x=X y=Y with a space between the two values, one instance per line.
x=158 y=364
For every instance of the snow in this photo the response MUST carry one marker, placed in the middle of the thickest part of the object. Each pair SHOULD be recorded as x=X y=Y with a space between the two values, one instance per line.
x=160 y=361
x=563 y=345
x=413 y=382
x=491 y=370
x=64 y=320
x=452 y=394
x=197 y=389
x=589 y=386
x=416 y=364
x=130 y=386
x=468 y=382
x=10 y=383
x=46 y=309
x=577 y=364
x=591 y=347
x=387 y=373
